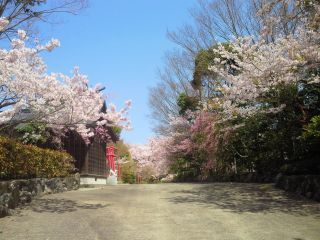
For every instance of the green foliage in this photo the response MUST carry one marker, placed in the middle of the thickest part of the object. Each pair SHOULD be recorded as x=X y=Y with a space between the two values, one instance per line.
x=18 y=160
x=206 y=58
x=186 y=103
x=184 y=168
x=116 y=130
x=128 y=177
x=202 y=63
x=128 y=167
x=310 y=10
x=128 y=171
x=33 y=133
x=312 y=130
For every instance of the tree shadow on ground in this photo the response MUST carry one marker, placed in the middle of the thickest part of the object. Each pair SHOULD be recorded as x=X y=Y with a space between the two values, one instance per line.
x=242 y=197
x=60 y=206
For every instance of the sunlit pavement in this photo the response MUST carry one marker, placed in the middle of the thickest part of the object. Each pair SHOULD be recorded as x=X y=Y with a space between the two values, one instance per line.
x=167 y=212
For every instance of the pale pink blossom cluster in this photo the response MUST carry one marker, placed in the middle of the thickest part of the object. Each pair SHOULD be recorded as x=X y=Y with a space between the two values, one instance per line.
x=262 y=66
x=52 y=44
x=3 y=23
x=196 y=136
x=55 y=99
x=119 y=117
x=154 y=155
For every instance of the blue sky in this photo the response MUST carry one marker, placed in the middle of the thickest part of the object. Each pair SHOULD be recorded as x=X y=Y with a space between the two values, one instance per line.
x=120 y=44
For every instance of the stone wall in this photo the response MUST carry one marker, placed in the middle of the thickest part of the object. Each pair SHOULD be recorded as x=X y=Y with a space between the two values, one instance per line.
x=251 y=177
x=16 y=192
x=305 y=185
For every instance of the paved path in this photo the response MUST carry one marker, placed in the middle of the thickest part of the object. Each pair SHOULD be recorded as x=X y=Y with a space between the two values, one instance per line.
x=167 y=212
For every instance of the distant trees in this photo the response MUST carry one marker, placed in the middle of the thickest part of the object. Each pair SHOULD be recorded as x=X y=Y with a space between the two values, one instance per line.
x=127 y=165
x=151 y=158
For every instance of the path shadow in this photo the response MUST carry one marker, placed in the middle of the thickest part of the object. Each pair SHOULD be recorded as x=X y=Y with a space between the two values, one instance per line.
x=242 y=197
x=60 y=206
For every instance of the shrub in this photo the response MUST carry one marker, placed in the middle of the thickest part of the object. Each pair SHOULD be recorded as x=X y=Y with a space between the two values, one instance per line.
x=18 y=160
x=32 y=133
x=128 y=166
x=128 y=177
x=312 y=130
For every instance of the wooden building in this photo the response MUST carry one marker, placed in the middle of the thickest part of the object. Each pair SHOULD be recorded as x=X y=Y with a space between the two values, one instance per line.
x=90 y=159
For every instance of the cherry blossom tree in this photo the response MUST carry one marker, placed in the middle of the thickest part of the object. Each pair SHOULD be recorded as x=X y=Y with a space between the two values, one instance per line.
x=261 y=66
x=153 y=155
x=29 y=94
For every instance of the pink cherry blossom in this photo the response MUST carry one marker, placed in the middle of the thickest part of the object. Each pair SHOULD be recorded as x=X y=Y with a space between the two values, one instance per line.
x=55 y=99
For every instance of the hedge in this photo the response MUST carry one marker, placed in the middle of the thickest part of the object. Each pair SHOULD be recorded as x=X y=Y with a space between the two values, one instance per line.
x=18 y=160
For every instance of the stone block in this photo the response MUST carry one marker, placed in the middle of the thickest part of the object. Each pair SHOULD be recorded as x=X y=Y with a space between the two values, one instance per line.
x=4 y=187
x=6 y=199
x=4 y=211
x=25 y=197
x=14 y=188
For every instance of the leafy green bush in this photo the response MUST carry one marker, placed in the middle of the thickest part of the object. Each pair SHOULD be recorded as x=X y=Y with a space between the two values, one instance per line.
x=186 y=103
x=128 y=166
x=18 y=160
x=33 y=133
x=128 y=177
x=312 y=130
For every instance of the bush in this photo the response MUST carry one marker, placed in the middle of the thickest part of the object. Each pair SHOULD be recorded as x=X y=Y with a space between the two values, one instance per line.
x=128 y=177
x=18 y=160
x=128 y=168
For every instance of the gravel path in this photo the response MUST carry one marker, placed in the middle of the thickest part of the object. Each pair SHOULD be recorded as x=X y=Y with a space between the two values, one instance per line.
x=168 y=212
